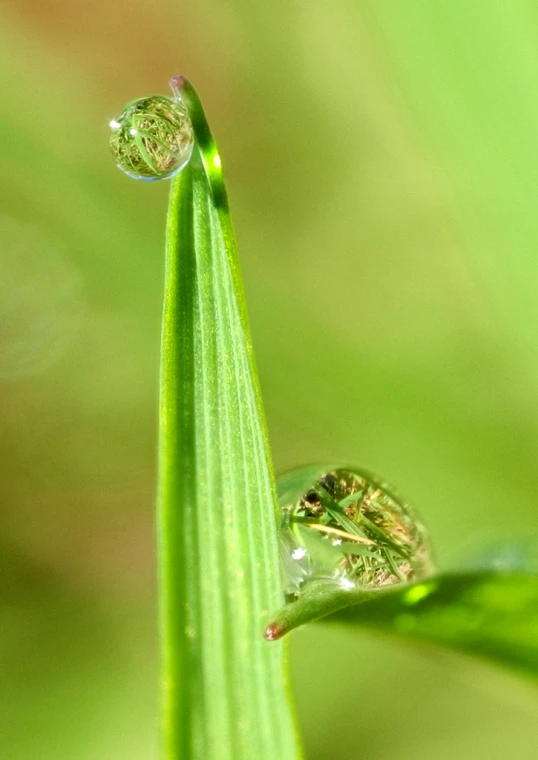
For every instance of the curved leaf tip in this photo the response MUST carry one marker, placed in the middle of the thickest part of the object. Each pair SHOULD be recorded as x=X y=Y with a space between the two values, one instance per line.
x=491 y=615
x=273 y=632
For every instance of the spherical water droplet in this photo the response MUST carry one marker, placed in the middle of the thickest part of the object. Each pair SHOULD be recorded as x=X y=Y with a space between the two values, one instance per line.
x=350 y=528
x=152 y=138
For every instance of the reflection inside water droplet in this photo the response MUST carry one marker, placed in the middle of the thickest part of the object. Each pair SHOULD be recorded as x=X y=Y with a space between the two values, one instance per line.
x=152 y=138
x=352 y=529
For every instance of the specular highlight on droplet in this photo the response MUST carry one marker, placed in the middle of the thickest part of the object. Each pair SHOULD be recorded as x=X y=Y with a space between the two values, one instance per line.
x=350 y=528
x=152 y=138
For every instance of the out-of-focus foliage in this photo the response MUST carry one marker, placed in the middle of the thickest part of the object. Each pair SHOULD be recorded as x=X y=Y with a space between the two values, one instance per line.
x=382 y=167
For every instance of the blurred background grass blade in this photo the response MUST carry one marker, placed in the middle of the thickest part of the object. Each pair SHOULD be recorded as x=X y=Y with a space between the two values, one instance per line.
x=225 y=693
x=490 y=615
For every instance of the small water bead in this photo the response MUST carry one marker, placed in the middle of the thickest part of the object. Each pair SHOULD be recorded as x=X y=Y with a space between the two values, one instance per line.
x=152 y=138
x=352 y=529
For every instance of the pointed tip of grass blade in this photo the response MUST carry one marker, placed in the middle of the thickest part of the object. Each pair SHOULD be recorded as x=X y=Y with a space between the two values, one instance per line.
x=183 y=89
x=177 y=83
x=316 y=601
x=273 y=632
x=490 y=614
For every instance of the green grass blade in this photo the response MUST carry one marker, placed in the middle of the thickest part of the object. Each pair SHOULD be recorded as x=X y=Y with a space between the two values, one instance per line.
x=225 y=690
x=490 y=615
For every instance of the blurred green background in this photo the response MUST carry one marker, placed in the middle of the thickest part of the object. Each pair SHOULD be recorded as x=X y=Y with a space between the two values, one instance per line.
x=382 y=166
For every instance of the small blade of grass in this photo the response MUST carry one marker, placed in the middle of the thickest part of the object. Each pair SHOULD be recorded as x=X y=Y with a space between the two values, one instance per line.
x=383 y=538
x=225 y=690
x=358 y=496
x=336 y=512
x=490 y=615
x=336 y=532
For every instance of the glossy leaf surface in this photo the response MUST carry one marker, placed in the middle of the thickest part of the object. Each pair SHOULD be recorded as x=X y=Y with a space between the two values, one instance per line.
x=491 y=615
x=225 y=690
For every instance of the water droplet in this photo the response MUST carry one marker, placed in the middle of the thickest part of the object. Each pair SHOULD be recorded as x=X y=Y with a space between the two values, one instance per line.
x=353 y=529
x=152 y=138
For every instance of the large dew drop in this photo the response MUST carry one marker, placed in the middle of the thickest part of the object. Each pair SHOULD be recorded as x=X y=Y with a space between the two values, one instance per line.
x=349 y=528
x=152 y=138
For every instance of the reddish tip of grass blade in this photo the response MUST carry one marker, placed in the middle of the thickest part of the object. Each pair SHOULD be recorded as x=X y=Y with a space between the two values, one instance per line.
x=273 y=632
